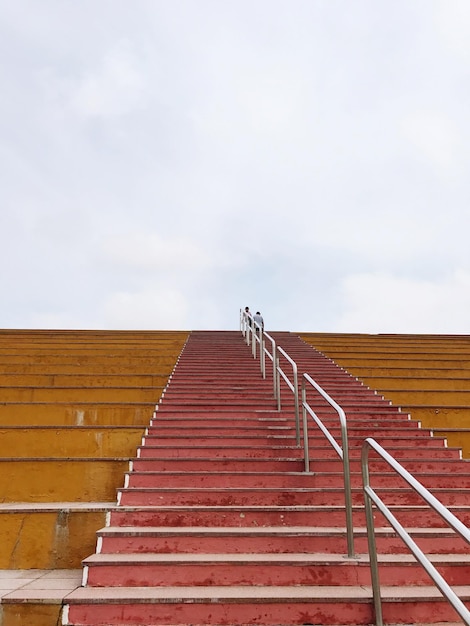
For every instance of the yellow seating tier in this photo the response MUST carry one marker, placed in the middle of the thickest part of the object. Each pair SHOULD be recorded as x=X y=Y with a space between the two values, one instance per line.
x=73 y=408
x=427 y=375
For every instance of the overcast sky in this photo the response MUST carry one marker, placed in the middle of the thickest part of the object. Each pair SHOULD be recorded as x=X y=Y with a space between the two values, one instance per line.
x=165 y=162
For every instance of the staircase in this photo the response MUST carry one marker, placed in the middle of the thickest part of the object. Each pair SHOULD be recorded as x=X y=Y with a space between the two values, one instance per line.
x=218 y=524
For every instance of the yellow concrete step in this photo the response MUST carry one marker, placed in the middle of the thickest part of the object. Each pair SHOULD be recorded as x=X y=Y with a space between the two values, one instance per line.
x=57 y=480
x=351 y=362
x=70 y=441
x=419 y=383
x=409 y=372
x=85 y=338
x=76 y=413
x=430 y=397
x=157 y=366
x=77 y=394
x=49 y=535
x=145 y=363
x=82 y=380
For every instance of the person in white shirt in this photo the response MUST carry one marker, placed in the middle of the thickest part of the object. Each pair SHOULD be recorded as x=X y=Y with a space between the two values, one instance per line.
x=259 y=319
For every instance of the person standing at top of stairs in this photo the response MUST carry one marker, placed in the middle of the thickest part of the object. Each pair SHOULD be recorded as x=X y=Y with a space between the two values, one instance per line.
x=258 y=318
x=249 y=315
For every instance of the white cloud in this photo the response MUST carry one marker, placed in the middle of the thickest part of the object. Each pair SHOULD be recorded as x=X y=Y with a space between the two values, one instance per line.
x=452 y=21
x=155 y=308
x=383 y=303
x=150 y=252
x=434 y=137
x=115 y=86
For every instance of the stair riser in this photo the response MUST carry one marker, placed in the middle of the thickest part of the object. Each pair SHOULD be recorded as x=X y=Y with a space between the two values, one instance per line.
x=261 y=419
x=238 y=518
x=195 y=461
x=364 y=414
x=234 y=573
x=328 y=544
x=217 y=465
x=211 y=404
x=247 y=517
x=187 y=395
x=230 y=498
x=226 y=454
x=282 y=480
x=427 y=454
x=233 y=429
x=282 y=440
x=246 y=497
x=292 y=611
x=220 y=612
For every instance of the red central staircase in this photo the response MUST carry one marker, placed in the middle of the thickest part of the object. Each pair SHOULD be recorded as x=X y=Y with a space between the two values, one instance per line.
x=218 y=524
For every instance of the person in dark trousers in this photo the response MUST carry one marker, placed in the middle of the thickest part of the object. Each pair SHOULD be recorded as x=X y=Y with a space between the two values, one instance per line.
x=259 y=320
x=248 y=314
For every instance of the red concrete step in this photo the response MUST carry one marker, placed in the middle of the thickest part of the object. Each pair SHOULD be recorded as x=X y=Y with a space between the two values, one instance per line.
x=224 y=430
x=272 y=606
x=166 y=569
x=264 y=496
x=191 y=391
x=428 y=455
x=248 y=404
x=189 y=463
x=267 y=539
x=276 y=441
x=227 y=419
x=194 y=462
x=168 y=429
x=213 y=452
x=208 y=391
x=238 y=497
x=282 y=479
x=272 y=515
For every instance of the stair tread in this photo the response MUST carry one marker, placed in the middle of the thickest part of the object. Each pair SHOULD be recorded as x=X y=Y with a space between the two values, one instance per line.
x=272 y=530
x=273 y=593
x=266 y=557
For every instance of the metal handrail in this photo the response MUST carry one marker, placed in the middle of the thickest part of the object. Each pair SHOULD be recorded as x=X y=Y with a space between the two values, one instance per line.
x=294 y=387
x=342 y=451
x=370 y=496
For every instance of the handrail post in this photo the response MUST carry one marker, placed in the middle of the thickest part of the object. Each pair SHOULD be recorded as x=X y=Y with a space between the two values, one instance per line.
x=371 y=541
x=305 y=428
x=347 y=481
x=262 y=354
x=275 y=364
x=278 y=384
